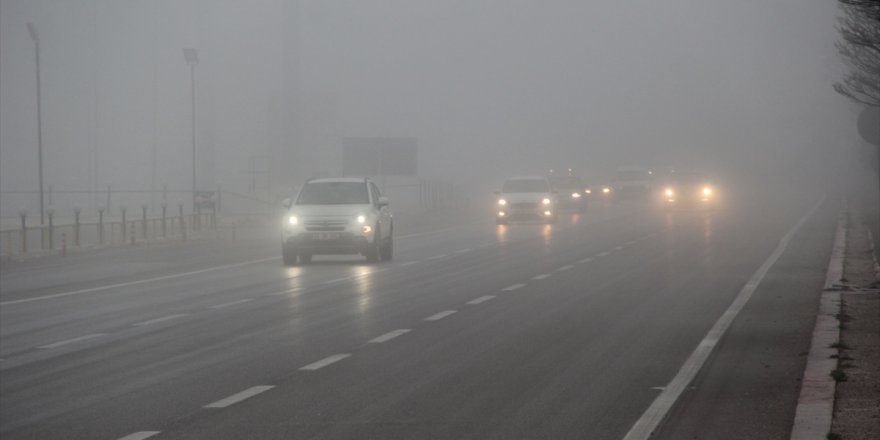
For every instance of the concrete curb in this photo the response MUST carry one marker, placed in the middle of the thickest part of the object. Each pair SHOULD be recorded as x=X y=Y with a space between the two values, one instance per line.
x=815 y=406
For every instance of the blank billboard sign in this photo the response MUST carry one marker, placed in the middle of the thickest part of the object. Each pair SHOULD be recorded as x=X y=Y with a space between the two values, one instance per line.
x=380 y=156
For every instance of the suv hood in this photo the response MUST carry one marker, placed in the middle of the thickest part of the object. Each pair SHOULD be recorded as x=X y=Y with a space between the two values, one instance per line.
x=330 y=210
x=525 y=197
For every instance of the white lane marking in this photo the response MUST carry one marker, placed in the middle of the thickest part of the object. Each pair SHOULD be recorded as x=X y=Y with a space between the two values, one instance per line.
x=630 y=243
x=231 y=303
x=564 y=268
x=585 y=260
x=72 y=341
x=238 y=397
x=481 y=299
x=285 y=292
x=134 y=283
x=389 y=336
x=464 y=251
x=409 y=263
x=513 y=287
x=158 y=320
x=603 y=254
x=441 y=315
x=542 y=276
x=437 y=257
x=654 y=415
x=658 y=388
x=337 y=280
x=140 y=435
x=326 y=361
x=617 y=248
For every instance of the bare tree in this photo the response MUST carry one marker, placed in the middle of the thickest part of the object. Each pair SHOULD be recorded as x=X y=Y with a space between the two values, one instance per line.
x=860 y=46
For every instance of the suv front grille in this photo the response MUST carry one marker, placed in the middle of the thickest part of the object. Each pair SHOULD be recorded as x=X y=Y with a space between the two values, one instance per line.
x=326 y=225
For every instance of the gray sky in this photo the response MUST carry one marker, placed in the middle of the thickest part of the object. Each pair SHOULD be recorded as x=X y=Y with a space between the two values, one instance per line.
x=488 y=87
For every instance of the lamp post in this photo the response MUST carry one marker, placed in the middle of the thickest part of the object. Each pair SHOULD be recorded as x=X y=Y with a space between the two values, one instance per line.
x=192 y=58
x=32 y=30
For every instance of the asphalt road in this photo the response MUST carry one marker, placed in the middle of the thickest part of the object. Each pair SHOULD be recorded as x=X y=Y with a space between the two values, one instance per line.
x=473 y=331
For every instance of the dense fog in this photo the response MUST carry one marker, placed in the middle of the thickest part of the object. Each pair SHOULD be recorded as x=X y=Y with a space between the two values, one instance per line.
x=488 y=88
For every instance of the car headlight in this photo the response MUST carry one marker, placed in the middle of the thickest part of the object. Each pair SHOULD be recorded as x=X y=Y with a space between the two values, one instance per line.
x=361 y=219
x=669 y=192
x=588 y=191
x=606 y=190
x=502 y=202
x=293 y=220
x=545 y=201
x=707 y=191
x=576 y=195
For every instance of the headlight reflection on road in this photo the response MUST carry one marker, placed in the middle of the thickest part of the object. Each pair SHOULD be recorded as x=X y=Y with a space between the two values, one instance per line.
x=364 y=287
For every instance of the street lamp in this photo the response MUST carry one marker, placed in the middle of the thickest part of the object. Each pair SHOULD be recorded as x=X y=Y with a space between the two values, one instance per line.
x=33 y=31
x=192 y=58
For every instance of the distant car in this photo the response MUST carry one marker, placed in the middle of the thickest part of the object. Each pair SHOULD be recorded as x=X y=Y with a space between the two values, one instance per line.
x=688 y=190
x=632 y=182
x=334 y=216
x=526 y=198
x=570 y=193
x=599 y=191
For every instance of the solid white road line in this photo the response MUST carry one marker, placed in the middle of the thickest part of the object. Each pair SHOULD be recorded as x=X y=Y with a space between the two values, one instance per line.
x=564 y=268
x=231 y=303
x=238 y=397
x=409 y=263
x=513 y=287
x=464 y=251
x=285 y=292
x=140 y=435
x=326 y=361
x=162 y=319
x=437 y=257
x=585 y=260
x=481 y=299
x=134 y=283
x=441 y=315
x=72 y=341
x=389 y=336
x=542 y=276
x=651 y=418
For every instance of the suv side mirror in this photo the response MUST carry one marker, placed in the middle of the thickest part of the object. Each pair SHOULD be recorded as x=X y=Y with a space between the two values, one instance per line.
x=383 y=201
x=287 y=203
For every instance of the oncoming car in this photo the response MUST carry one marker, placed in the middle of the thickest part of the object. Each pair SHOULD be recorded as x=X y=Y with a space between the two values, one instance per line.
x=570 y=193
x=526 y=198
x=688 y=190
x=336 y=216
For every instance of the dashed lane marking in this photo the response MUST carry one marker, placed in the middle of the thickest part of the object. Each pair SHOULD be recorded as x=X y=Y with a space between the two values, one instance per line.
x=238 y=397
x=564 y=268
x=134 y=283
x=231 y=303
x=409 y=263
x=72 y=341
x=513 y=287
x=481 y=299
x=439 y=316
x=285 y=292
x=437 y=257
x=603 y=254
x=542 y=276
x=158 y=320
x=585 y=260
x=617 y=248
x=140 y=435
x=325 y=362
x=389 y=336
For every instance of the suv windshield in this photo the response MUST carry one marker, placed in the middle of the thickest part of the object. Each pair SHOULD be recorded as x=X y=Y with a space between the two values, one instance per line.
x=334 y=193
x=565 y=182
x=525 y=186
x=688 y=178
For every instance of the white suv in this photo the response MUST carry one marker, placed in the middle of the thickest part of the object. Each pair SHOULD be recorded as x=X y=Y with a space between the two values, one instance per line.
x=526 y=198
x=337 y=216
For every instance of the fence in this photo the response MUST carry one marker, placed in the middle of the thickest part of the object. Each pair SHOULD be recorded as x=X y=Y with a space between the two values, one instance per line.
x=50 y=238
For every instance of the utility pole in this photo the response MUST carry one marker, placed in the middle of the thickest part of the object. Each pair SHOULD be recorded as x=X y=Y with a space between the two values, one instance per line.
x=192 y=58
x=33 y=31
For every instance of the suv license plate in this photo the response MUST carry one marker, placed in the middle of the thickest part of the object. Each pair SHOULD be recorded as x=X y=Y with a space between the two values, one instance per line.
x=325 y=236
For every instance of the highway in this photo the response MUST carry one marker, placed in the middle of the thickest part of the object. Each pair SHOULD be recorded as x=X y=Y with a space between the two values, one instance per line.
x=473 y=331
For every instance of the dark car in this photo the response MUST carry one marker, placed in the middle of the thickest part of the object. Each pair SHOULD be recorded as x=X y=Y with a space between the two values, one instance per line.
x=571 y=194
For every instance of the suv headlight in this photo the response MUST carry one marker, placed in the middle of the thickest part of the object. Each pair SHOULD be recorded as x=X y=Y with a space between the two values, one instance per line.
x=546 y=201
x=361 y=219
x=293 y=220
x=502 y=202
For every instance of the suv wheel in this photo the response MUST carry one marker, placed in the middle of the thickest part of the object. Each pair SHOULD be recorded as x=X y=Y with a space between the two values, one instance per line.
x=387 y=251
x=288 y=255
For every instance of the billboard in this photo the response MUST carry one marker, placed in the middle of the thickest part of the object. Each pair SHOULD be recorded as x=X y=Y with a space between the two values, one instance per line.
x=380 y=156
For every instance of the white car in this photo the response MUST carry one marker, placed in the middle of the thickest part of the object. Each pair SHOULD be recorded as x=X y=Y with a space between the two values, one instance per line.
x=526 y=198
x=336 y=216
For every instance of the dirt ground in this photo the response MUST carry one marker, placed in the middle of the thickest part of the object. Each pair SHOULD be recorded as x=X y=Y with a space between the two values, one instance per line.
x=857 y=401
